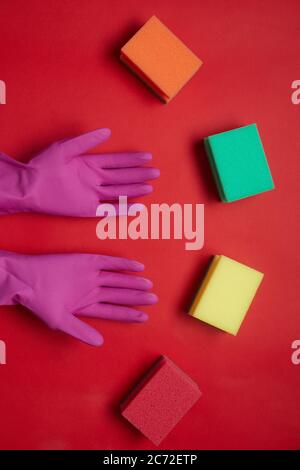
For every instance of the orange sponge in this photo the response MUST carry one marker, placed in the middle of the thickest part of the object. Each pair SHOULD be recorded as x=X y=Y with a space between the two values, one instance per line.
x=160 y=400
x=160 y=59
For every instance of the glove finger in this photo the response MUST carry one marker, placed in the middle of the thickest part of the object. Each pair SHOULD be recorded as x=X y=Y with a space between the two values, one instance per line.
x=125 y=281
x=82 y=331
x=129 y=175
x=82 y=143
x=114 y=312
x=121 y=296
x=118 y=296
x=130 y=190
x=115 y=263
x=119 y=160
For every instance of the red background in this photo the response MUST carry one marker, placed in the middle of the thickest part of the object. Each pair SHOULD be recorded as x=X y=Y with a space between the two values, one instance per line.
x=60 y=63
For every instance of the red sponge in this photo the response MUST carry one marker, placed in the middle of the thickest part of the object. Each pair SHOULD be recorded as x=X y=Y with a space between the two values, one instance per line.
x=160 y=400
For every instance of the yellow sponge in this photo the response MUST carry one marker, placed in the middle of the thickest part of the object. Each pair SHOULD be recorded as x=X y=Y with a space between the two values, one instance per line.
x=160 y=59
x=226 y=294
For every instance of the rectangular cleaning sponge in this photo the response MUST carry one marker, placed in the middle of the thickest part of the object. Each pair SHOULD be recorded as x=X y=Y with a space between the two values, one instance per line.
x=226 y=294
x=239 y=163
x=160 y=59
x=160 y=400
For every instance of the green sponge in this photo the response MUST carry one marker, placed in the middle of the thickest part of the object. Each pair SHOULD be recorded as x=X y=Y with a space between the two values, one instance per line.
x=239 y=163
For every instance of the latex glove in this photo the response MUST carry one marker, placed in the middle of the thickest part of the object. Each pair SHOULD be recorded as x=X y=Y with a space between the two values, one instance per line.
x=57 y=288
x=62 y=180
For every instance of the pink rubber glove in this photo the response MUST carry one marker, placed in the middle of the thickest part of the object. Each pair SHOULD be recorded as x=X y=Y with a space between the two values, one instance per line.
x=58 y=288
x=62 y=180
